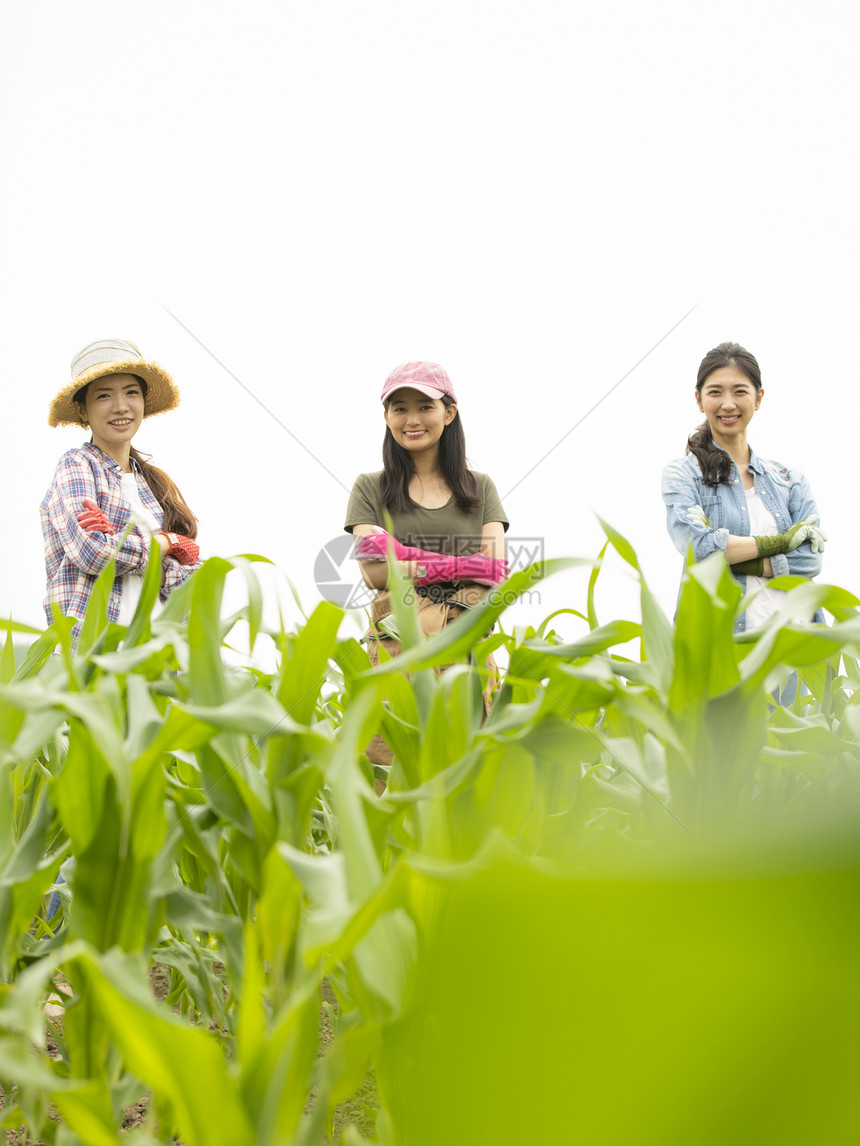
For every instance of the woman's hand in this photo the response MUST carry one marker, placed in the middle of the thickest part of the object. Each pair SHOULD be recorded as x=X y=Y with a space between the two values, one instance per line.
x=184 y=549
x=793 y=538
x=805 y=530
x=92 y=518
x=375 y=546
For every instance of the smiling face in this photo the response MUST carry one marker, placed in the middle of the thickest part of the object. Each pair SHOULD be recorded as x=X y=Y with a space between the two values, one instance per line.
x=113 y=407
x=728 y=399
x=416 y=421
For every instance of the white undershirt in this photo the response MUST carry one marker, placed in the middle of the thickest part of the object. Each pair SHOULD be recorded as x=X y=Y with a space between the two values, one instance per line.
x=132 y=583
x=762 y=524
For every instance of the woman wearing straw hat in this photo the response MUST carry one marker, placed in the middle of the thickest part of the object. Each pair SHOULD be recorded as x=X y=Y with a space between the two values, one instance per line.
x=106 y=500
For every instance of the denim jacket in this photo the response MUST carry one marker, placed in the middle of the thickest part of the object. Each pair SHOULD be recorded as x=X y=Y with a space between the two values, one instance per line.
x=785 y=492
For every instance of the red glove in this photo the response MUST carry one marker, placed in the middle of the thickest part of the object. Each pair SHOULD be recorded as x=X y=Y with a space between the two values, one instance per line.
x=432 y=567
x=184 y=549
x=92 y=519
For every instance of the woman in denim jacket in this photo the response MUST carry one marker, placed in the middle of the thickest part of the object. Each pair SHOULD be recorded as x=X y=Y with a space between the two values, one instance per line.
x=722 y=495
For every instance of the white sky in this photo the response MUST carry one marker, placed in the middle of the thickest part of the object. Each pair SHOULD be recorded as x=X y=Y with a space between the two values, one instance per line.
x=531 y=194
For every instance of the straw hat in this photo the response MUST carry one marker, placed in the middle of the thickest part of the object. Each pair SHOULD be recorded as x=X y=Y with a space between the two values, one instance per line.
x=113 y=356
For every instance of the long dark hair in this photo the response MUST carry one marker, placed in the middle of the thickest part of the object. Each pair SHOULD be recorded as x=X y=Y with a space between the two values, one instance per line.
x=715 y=464
x=398 y=468
x=178 y=517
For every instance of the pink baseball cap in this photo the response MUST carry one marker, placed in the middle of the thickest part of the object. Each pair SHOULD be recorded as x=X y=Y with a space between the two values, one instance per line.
x=426 y=377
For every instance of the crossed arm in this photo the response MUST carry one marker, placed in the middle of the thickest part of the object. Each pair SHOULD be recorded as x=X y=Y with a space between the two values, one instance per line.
x=492 y=546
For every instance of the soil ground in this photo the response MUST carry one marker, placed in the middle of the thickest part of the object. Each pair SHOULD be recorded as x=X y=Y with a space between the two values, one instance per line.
x=359 y=1111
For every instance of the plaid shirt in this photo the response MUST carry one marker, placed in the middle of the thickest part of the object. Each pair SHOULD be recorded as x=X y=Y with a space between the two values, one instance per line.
x=73 y=557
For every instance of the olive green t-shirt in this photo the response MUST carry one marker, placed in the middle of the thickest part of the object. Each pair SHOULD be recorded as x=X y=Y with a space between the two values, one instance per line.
x=448 y=529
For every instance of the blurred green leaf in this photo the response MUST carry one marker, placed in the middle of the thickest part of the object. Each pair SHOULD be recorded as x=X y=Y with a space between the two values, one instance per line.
x=679 y=981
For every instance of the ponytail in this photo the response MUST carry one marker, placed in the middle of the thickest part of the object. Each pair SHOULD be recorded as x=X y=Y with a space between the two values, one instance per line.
x=715 y=464
x=178 y=517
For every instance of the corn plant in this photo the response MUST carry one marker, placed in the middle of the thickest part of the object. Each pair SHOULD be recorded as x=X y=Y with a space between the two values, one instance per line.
x=222 y=823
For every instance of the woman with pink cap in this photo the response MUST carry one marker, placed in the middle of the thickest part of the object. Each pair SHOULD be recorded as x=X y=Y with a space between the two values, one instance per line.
x=107 y=500
x=448 y=522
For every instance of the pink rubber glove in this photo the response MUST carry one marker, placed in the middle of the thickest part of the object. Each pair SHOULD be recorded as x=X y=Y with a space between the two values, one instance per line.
x=184 y=549
x=485 y=570
x=92 y=518
x=432 y=567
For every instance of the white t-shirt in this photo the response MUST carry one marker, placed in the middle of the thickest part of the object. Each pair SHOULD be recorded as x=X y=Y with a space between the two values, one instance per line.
x=762 y=524
x=132 y=583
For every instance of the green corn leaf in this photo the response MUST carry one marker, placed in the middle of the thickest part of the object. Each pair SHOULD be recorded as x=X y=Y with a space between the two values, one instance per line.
x=255 y=713
x=100 y=713
x=705 y=658
x=597 y=641
x=364 y=870
x=191 y=912
x=658 y=639
x=809 y=737
x=452 y=723
x=276 y=931
x=26 y=875
x=150 y=658
x=623 y=547
x=592 y=586
x=112 y=885
x=96 y=619
x=7 y=660
x=795 y=646
x=19 y=1067
x=404 y=602
x=144 y=720
x=206 y=674
x=558 y=741
x=275 y=1085
x=244 y=564
x=720 y=949
x=543 y=627
x=11 y=626
x=183 y=1066
x=457 y=639
x=79 y=790
x=140 y=629
x=39 y=653
x=304 y=670
x=87 y=1110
